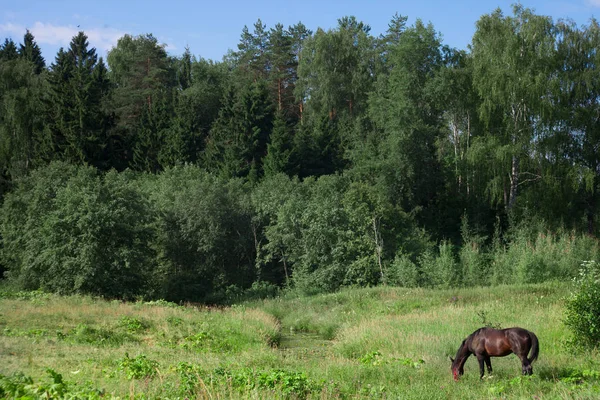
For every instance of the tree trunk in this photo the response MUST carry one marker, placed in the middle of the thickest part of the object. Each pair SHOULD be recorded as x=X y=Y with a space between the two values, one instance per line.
x=279 y=94
x=514 y=182
x=455 y=134
x=285 y=270
x=378 y=246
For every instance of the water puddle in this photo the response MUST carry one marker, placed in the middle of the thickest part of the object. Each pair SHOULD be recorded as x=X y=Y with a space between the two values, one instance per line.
x=304 y=345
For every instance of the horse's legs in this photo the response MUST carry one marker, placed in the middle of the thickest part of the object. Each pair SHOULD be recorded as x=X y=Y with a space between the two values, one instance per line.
x=528 y=368
x=521 y=349
x=488 y=362
x=481 y=359
x=525 y=365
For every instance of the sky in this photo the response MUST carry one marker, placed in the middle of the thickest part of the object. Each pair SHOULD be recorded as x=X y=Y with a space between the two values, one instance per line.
x=211 y=27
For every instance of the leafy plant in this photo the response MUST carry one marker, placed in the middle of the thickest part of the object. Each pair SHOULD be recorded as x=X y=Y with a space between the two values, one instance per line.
x=133 y=324
x=86 y=334
x=197 y=341
x=140 y=367
x=409 y=362
x=578 y=376
x=371 y=358
x=583 y=306
x=72 y=230
x=188 y=378
x=174 y=321
x=23 y=387
x=161 y=303
x=290 y=383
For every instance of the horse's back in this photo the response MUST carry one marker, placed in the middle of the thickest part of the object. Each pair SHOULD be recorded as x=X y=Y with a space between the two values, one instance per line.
x=521 y=334
x=522 y=341
x=502 y=342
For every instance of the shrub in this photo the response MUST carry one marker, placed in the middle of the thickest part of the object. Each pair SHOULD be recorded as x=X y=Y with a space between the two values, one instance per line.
x=19 y=386
x=140 y=367
x=133 y=324
x=85 y=334
x=475 y=268
x=402 y=272
x=440 y=271
x=535 y=255
x=71 y=230
x=204 y=239
x=583 y=306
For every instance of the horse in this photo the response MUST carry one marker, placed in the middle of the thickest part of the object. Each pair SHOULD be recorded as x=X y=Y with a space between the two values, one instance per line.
x=488 y=342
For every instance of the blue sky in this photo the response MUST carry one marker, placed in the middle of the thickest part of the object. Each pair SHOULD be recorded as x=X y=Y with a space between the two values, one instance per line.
x=212 y=27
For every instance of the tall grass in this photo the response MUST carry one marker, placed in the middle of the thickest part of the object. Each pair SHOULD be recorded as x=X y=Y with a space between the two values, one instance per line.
x=541 y=257
x=383 y=342
x=526 y=255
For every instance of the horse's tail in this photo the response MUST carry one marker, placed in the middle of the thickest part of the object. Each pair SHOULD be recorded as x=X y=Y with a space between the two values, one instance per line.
x=535 y=347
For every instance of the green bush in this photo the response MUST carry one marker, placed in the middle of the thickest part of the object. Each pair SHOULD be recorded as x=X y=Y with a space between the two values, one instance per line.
x=331 y=232
x=72 y=230
x=533 y=254
x=140 y=367
x=583 y=306
x=19 y=386
x=472 y=257
x=204 y=239
x=402 y=272
x=441 y=270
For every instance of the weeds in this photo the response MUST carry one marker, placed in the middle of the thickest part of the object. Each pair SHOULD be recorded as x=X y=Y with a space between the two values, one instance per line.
x=140 y=367
x=85 y=334
x=133 y=324
x=23 y=387
x=486 y=322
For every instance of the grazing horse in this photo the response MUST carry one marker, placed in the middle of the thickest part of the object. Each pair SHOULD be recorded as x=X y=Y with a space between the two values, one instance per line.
x=488 y=342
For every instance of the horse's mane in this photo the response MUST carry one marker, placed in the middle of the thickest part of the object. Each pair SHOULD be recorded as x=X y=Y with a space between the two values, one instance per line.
x=462 y=349
x=477 y=332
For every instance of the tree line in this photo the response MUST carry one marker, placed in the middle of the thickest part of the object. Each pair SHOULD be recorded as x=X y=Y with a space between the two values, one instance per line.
x=309 y=159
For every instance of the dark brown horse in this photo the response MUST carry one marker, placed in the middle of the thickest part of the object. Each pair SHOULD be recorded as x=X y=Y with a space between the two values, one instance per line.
x=488 y=342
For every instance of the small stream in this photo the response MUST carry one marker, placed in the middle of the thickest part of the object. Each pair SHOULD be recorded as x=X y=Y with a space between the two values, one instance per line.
x=304 y=343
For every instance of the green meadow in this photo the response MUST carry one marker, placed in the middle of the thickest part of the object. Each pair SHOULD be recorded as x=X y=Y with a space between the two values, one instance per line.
x=382 y=342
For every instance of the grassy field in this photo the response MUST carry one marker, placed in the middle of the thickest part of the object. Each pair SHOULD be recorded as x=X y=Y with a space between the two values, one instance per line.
x=360 y=343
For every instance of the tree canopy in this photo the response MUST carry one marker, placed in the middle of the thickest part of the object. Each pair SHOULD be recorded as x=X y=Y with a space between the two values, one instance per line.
x=309 y=158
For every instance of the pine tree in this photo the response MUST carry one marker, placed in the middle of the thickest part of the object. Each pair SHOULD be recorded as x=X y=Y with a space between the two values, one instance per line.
x=103 y=156
x=251 y=56
x=30 y=51
x=8 y=50
x=404 y=113
x=184 y=70
x=82 y=139
x=144 y=78
x=279 y=148
x=238 y=140
x=21 y=123
x=78 y=87
x=298 y=33
x=60 y=105
x=283 y=69
x=196 y=108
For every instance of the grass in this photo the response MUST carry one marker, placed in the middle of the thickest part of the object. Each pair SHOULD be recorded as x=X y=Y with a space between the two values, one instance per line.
x=358 y=343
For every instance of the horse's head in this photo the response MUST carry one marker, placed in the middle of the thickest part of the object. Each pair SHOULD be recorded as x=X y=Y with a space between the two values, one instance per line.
x=455 y=374
x=456 y=368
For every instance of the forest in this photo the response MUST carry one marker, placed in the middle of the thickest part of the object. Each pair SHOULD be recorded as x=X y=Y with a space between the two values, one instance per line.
x=305 y=160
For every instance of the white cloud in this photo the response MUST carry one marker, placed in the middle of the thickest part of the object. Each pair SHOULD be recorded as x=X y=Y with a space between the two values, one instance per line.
x=593 y=3
x=12 y=29
x=101 y=38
